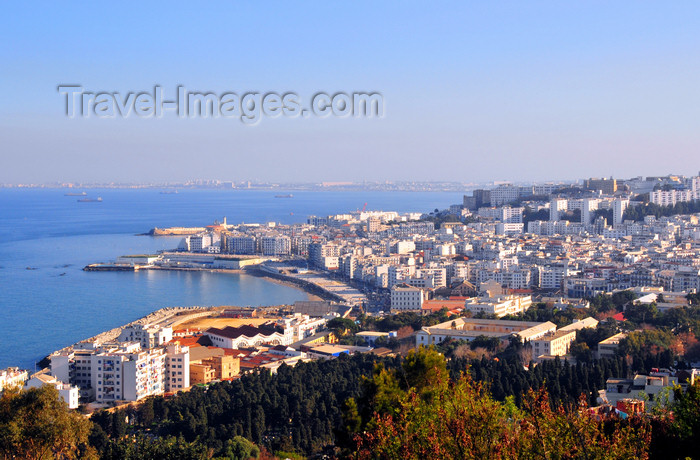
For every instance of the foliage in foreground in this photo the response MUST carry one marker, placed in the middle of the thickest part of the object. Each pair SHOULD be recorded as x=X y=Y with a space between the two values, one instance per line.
x=417 y=412
x=35 y=424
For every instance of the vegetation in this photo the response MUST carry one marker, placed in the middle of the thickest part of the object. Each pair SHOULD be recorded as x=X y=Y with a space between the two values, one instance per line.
x=395 y=322
x=416 y=411
x=530 y=215
x=35 y=424
x=638 y=213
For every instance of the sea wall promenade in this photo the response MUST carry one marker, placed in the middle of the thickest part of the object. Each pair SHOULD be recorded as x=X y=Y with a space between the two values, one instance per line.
x=168 y=316
x=316 y=283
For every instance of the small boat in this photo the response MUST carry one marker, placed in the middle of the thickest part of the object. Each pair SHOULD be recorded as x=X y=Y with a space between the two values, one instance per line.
x=75 y=194
x=91 y=200
x=285 y=196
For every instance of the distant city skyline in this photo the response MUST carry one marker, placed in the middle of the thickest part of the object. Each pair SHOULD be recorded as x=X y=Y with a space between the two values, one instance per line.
x=473 y=92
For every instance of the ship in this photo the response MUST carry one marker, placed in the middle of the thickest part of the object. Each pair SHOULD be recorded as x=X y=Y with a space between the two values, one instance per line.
x=168 y=192
x=75 y=194
x=285 y=196
x=90 y=200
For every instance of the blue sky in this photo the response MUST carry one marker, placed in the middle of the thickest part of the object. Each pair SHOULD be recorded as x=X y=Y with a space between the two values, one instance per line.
x=473 y=91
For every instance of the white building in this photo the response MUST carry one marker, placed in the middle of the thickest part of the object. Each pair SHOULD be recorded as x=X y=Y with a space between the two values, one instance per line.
x=509 y=228
x=301 y=326
x=68 y=393
x=556 y=206
x=276 y=245
x=471 y=328
x=148 y=335
x=671 y=197
x=619 y=207
x=127 y=373
x=246 y=336
x=504 y=194
x=12 y=377
x=554 y=344
x=499 y=305
x=177 y=367
x=117 y=371
x=588 y=208
x=406 y=298
x=240 y=244
x=655 y=388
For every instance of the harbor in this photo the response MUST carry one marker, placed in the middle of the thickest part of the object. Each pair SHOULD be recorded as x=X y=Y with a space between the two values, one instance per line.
x=313 y=282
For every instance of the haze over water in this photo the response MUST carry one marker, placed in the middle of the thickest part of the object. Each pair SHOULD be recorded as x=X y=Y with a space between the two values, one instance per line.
x=56 y=303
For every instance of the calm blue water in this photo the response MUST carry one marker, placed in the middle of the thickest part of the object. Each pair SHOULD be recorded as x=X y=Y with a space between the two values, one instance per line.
x=57 y=303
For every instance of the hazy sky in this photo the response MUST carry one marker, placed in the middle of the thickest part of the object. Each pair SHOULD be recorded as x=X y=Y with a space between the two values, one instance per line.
x=473 y=91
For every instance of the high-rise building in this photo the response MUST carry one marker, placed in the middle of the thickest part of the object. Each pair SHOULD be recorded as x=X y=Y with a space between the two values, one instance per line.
x=619 y=207
x=555 y=207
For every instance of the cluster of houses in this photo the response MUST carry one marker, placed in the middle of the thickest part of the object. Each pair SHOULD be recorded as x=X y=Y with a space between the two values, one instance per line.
x=148 y=359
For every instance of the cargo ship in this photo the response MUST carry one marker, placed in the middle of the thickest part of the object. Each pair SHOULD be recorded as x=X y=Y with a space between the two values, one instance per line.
x=90 y=200
x=285 y=196
x=75 y=194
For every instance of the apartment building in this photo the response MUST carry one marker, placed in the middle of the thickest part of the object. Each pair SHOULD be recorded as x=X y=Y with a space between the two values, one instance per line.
x=240 y=244
x=504 y=194
x=406 y=298
x=113 y=372
x=148 y=335
x=177 y=367
x=276 y=245
x=499 y=305
x=671 y=197
x=127 y=373
x=556 y=344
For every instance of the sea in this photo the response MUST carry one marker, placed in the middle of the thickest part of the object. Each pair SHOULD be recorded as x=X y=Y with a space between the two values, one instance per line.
x=46 y=238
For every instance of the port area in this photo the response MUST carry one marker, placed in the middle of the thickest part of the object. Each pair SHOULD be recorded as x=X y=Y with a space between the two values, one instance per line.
x=287 y=272
x=174 y=231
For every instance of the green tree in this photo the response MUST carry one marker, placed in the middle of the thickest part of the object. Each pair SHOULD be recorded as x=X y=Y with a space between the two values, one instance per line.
x=341 y=326
x=36 y=424
x=141 y=447
x=239 y=448
x=686 y=412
